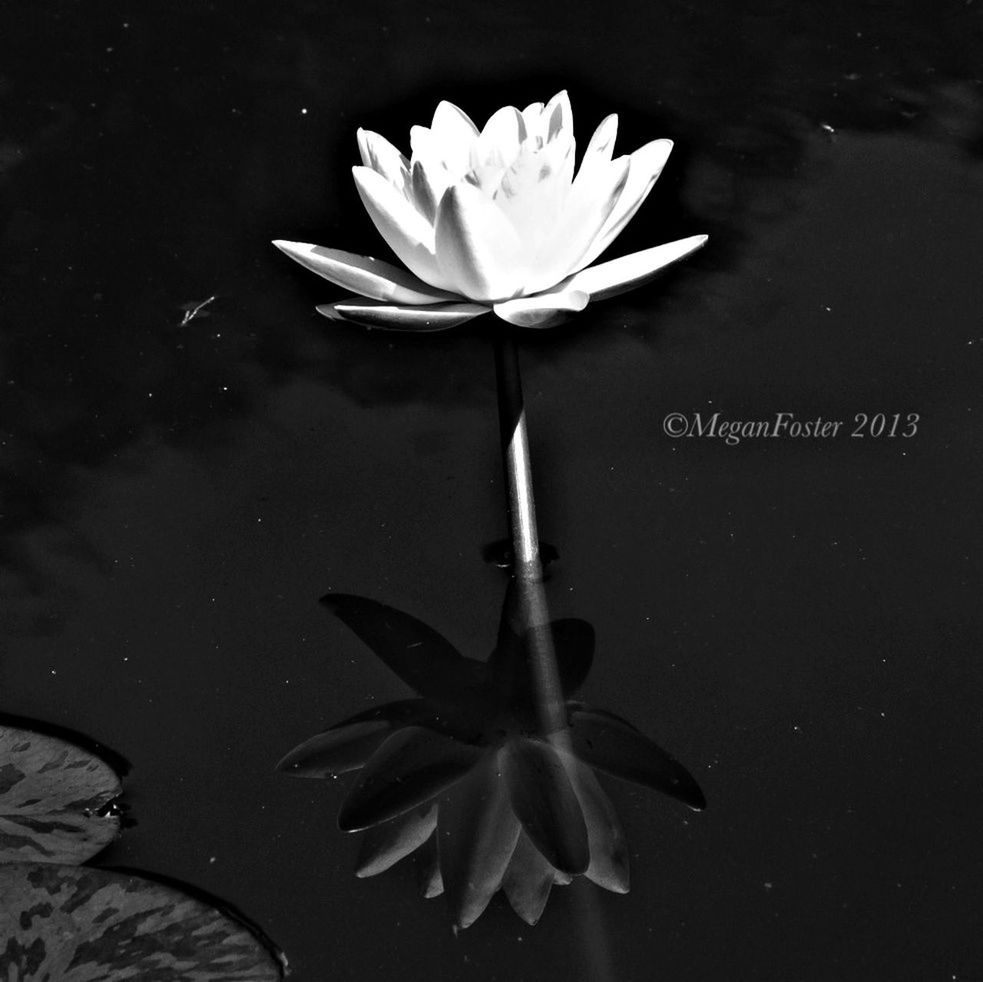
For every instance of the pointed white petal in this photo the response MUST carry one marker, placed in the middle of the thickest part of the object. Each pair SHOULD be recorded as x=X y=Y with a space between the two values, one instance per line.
x=543 y=310
x=619 y=275
x=497 y=146
x=424 y=192
x=454 y=134
x=584 y=214
x=363 y=275
x=478 y=250
x=374 y=313
x=405 y=230
x=379 y=154
x=645 y=166
x=532 y=115
x=599 y=151
x=558 y=116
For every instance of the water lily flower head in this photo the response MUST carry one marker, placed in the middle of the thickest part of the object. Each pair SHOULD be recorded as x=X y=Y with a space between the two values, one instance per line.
x=494 y=219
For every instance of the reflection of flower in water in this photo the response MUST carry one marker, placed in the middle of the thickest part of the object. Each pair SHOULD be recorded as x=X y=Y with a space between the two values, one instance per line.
x=467 y=773
x=494 y=221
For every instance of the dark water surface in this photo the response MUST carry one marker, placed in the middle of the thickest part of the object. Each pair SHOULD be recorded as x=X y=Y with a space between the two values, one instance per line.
x=795 y=619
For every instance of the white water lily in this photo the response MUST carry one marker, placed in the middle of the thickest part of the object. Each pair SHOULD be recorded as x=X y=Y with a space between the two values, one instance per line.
x=494 y=220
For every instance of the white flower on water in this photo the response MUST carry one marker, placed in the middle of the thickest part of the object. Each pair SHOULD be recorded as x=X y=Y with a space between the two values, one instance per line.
x=494 y=220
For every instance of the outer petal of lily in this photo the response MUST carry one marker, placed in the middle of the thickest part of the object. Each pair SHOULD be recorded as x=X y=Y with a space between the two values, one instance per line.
x=337 y=751
x=411 y=767
x=604 y=742
x=477 y=835
x=387 y=844
x=608 y=848
x=619 y=275
x=405 y=230
x=374 y=313
x=528 y=881
x=584 y=214
x=379 y=154
x=363 y=275
x=542 y=310
x=645 y=166
x=477 y=246
x=545 y=803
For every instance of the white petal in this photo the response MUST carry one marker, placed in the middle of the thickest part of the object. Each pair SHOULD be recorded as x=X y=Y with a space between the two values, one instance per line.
x=424 y=193
x=628 y=272
x=498 y=145
x=599 y=151
x=374 y=313
x=363 y=275
x=585 y=213
x=645 y=166
x=405 y=230
x=379 y=154
x=478 y=250
x=558 y=116
x=543 y=310
x=454 y=134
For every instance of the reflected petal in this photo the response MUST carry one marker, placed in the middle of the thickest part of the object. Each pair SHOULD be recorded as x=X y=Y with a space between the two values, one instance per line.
x=389 y=317
x=528 y=881
x=543 y=310
x=431 y=882
x=386 y=844
x=424 y=659
x=411 y=767
x=622 y=751
x=544 y=801
x=573 y=642
x=337 y=751
x=402 y=712
x=363 y=275
x=478 y=831
x=623 y=274
x=609 y=862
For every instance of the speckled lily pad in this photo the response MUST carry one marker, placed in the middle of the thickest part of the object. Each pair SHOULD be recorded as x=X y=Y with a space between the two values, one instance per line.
x=54 y=799
x=76 y=924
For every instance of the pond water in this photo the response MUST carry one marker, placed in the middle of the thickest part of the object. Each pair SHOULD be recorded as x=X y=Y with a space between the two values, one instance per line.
x=192 y=456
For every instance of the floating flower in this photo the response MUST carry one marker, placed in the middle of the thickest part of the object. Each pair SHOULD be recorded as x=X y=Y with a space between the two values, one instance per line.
x=494 y=220
x=468 y=774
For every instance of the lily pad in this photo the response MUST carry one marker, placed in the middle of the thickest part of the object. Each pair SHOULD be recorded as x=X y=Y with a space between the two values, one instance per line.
x=55 y=799
x=77 y=924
